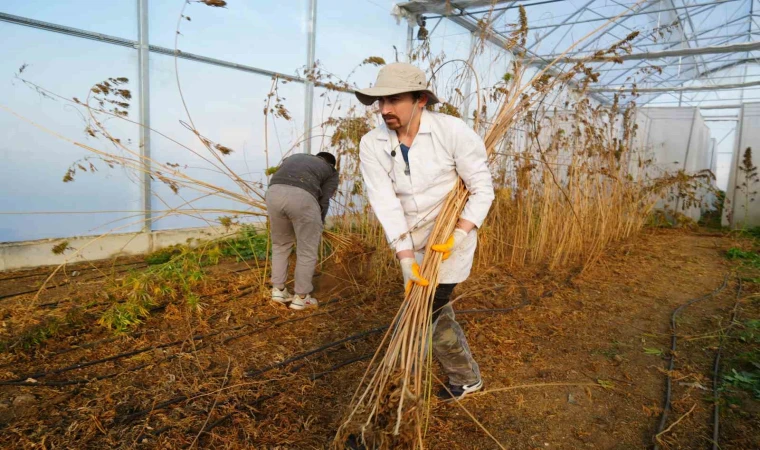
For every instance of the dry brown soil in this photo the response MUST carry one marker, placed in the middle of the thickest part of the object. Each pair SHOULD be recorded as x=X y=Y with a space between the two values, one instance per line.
x=575 y=366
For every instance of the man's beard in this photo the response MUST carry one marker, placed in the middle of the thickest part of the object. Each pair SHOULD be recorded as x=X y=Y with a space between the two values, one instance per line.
x=394 y=124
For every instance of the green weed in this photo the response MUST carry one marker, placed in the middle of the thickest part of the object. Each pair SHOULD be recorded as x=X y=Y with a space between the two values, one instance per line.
x=163 y=256
x=745 y=366
x=747 y=381
x=748 y=258
x=50 y=328
x=161 y=283
x=653 y=351
x=249 y=244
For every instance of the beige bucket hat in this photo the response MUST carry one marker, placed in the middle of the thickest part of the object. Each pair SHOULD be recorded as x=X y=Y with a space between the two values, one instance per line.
x=397 y=78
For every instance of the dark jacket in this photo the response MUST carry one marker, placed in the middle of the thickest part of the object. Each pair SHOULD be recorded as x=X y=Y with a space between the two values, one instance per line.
x=310 y=173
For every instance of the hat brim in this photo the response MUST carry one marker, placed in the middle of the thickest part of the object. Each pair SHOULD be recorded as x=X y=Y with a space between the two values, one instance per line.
x=370 y=96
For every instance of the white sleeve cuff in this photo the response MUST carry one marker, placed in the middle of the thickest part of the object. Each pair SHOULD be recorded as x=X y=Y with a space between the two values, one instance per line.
x=404 y=244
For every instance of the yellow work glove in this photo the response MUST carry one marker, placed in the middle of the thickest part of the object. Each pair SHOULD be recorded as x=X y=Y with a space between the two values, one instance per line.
x=411 y=271
x=454 y=241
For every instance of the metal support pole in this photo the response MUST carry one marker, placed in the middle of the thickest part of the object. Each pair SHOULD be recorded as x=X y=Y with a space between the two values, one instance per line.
x=144 y=87
x=467 y=104
x=409 y=42
x=309 y=85
x=735 y=163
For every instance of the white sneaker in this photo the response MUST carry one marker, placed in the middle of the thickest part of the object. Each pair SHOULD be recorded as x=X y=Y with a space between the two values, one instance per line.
x=304 y=302
x=281 y=296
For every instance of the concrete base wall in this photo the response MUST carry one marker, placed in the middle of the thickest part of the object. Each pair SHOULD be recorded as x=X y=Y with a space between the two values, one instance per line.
x=19 y=255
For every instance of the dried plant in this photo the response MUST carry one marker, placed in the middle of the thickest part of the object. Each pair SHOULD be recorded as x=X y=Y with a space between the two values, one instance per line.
x=749 y=181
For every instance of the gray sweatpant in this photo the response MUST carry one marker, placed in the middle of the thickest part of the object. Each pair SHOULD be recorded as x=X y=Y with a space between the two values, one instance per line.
x=294 y=217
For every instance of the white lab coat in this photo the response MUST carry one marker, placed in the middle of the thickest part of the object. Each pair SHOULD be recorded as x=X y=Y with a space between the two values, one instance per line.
x=444 y=149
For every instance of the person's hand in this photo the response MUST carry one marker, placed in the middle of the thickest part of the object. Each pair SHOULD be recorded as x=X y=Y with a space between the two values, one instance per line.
x=411 y=271
x=454 y=241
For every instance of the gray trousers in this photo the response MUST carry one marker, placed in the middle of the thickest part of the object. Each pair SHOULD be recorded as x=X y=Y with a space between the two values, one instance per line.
x=294 y=217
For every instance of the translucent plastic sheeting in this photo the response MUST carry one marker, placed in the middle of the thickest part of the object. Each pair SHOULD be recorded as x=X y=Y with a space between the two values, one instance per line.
x=679 y=139
x=112 y=17
x=724 y=132
x=451 y=43
x=742 y=207
x=349 y=32
x=227 y=107
x=269 y=35
x=34 y=162
x=330 y=104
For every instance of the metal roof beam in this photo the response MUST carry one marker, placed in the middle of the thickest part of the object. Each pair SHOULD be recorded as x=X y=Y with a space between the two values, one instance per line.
x=721 y=57
x=680 y=81
x=570 y=17
x=114 y=40
x=709 y=71
x=499 y=40
x=715 y=49
x=731 y=20
x=693 y=30
x=444 y=7
x=697 y=5
x=743 y=34
x=716 y=87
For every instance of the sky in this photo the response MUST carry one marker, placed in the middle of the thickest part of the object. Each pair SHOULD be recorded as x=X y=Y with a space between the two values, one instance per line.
x=225 y=104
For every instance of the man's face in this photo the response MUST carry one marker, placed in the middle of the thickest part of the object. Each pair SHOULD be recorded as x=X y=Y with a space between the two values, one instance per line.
x=397 y=109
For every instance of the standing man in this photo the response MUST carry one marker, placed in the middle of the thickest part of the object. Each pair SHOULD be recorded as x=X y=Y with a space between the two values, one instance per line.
x=297 y=201
x=410 y=164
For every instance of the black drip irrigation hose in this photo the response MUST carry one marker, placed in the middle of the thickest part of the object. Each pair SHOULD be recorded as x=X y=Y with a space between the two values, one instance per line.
x=165 y=404
x=672 y=358
x=216 y=423
x=50 y=286
x=30 y=275
x=82 y=365
x=161 y=405
x=23 y=381
x=29 y=291
x=347 y=362
x=127 y=418
x=716 y=369
x=88 y=380
x=318 y=375
x=278 y=324
x=313 y=377
x=254 y=373
x=97 y=277
x=525 y=302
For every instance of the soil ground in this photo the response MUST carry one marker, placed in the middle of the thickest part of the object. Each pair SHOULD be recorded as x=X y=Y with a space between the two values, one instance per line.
x=579 y=362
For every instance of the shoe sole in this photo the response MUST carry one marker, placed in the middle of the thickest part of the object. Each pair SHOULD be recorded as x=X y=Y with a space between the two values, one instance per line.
x=464 y=394
x=301 y=307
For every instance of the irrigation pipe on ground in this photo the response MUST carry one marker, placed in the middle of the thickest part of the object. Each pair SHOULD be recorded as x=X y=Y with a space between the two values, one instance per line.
x=672 y=358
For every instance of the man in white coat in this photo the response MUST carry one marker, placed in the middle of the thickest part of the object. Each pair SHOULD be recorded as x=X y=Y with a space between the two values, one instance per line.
x=409 y=164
